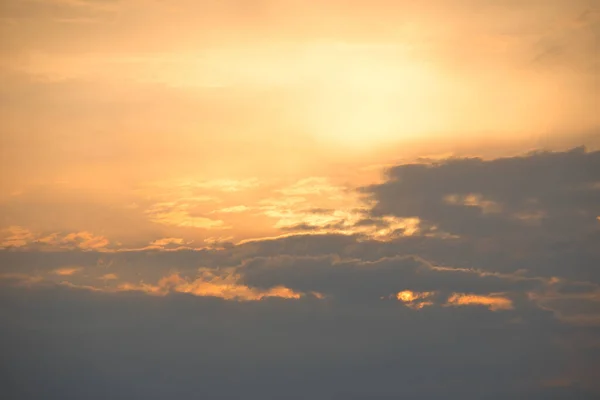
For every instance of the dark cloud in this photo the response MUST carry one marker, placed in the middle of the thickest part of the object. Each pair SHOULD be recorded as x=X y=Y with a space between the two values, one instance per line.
x=537 y=212
x=522 y=231
x=355 y=279
x=542 y=191
x=65 y=343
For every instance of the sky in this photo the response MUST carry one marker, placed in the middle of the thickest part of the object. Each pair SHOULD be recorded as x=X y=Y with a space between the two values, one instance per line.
x=299 y=199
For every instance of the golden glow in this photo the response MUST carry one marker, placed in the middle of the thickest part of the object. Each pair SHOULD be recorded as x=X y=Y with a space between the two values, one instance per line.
x=474 y=200
x=242 y=129
x=178 y=214
x=15 y=236
x=124 y=134
x=493 y=302
x=225 y=286
x=20 y=237
x=418 y=300
x=67 y=271
x=363 y=99
x=415 y=300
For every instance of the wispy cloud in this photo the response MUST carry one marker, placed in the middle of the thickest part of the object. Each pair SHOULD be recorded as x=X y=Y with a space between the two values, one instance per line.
x=178 y=214
x=223 y=285
x=19 y=237
x=16 y=236
x=67 y=271
x=494 y=303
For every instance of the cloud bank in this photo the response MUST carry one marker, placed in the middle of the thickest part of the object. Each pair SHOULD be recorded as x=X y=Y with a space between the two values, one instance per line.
x=494 y=293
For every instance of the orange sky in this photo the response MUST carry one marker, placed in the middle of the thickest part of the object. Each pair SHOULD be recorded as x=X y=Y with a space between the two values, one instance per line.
x=196 y=119
x=321 y=198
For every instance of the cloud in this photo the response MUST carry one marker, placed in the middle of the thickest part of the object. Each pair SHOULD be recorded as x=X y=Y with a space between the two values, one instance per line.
x=125 y=343
x=67 y=271
x=414 y=300
x=16 y=236
x=263 y=273
x=249 y=315
x=368 y=281
x=20 y=279
x=418 y=300
x=491 y=197
x=536 y=212
x=482 y=282
x=315 y=206
x=210 y=283
x=168 y=243
x=233 y=209
x=23 y=238
x=84 y=240
x=493 y=302
x=178 y=214
x=109 y=277
x=248 y=272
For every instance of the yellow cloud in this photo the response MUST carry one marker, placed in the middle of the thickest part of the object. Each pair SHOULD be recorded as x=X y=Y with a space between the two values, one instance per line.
x=67 y=271
x=21 y=237
x=166 y=241
x=109 y=277
x=224 y=285
x=493 y=302
x=414 y=300
x=177 y=214
x=85 y=240
x=233 y=209
x=16 y=236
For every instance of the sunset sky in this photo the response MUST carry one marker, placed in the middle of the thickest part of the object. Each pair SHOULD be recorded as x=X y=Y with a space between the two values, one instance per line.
x=299 y=199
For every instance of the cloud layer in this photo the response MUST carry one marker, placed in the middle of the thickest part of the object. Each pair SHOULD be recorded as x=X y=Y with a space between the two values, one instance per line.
x=493 y=292
x=191 y=202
